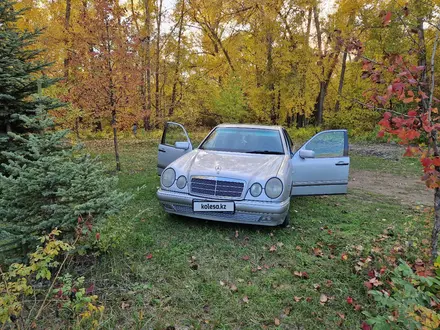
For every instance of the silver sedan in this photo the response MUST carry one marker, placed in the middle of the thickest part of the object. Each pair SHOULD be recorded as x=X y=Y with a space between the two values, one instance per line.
x=247 y=173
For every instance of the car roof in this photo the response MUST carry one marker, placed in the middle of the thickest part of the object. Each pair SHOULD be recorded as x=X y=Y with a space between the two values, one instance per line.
x=251 y=126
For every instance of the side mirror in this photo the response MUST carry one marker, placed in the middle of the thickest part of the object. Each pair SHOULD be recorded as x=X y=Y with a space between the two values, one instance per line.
x=306 y=154
x=182 y=145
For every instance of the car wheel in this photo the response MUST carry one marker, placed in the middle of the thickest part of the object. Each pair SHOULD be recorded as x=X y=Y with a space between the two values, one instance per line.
x=286 y=221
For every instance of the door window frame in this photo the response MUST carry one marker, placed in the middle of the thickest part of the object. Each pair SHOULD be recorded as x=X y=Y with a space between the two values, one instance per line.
x=346 y=147
x=163 y=139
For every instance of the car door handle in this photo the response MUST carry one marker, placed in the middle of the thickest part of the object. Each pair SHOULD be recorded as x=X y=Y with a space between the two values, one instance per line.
x=342 y=163
x=162 y=150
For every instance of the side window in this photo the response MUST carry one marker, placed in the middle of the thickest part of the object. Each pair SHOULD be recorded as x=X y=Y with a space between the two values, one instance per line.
x=327 y=144
x=173 y=133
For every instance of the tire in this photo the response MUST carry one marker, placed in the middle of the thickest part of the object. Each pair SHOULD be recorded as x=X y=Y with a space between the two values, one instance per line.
x=286 y=222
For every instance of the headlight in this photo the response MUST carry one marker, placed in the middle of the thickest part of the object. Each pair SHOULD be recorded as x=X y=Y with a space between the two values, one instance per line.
x=181 y=182
x=168 y=177
x=274 y=188
x=256 y=189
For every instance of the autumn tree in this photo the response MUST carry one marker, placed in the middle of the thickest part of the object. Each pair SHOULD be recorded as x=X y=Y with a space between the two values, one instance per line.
x=106 y=69
x=404 y=88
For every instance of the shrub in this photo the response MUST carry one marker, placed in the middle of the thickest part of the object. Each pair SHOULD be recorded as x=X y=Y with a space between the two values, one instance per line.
x=410 y=304
x=22 y=281
x=48 y=184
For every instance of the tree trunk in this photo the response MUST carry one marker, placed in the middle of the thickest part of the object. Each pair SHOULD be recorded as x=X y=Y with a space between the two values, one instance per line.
x=66 y=40
x=147 y=67
x=115 y=141
x=319 y=106
x=422 y=62
x=269 y=72
x=143 y=91
x=112 y=101
x=176 y=72
x=341 y=79
x=157 y=86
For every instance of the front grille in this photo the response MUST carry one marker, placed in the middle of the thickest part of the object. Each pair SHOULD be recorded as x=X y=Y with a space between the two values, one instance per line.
x=216 y=187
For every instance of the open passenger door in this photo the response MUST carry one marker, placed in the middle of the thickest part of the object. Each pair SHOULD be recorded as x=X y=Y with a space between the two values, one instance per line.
x=175 y=143
x=321 y=166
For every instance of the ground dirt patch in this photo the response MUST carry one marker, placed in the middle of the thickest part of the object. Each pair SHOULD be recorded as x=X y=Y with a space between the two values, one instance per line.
x=405 y=190
x=404 y=186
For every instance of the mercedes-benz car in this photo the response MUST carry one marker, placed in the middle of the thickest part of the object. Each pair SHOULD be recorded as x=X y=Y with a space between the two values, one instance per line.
x=247 y=173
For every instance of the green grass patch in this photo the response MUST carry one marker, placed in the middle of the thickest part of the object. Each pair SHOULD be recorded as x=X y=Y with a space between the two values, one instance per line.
x=162 y=270
x=406 y=166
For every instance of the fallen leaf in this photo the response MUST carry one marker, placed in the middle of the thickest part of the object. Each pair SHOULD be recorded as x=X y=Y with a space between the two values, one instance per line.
x=273 y=248
x=298 y=248
x=277 y=322
x=317 y=252
x=124 y=305
x=376 y=249
x=342 y=316
x=366 y=326
x=245 y=258
x=245 y=299
x=236 y=234
x=323 y=299
x=316 y=286
x=357 y=307
x=287 y=311
x=350 y=300
x=149 y=256
x=297 y=299
x=375 y=282
x=222 y=283
x=90 y=289
x=309 y=299
x=387 y=18
x=98 y=236
x=233 y=287
x=329 y=283
x=301 y=274
x=280 y=244
x=344 y=257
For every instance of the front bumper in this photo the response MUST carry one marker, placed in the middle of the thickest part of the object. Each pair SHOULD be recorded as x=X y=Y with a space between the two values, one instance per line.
x=248 y=212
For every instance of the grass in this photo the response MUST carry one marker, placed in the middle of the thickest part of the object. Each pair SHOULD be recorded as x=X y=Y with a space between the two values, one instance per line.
x=406 y=166
x=162 y=271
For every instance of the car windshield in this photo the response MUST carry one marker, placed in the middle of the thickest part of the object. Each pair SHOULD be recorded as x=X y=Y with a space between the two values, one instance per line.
x=246 y=140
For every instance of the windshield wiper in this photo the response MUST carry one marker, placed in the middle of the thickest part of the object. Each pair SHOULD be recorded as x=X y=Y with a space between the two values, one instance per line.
x=265 y=152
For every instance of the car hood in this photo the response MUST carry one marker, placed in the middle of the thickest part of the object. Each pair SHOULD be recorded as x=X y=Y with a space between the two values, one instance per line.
x=248 y=167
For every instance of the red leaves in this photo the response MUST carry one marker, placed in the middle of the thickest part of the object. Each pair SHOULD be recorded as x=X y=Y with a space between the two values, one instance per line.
x=366 y=326
x=149 y=256
x=344 y=257
x=387 y=18
x=90 y=289
x=350 y=300
x=245 y=258
x=98 y=236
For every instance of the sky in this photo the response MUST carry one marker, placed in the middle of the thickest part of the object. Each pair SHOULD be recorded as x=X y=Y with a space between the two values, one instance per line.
x=327 y=6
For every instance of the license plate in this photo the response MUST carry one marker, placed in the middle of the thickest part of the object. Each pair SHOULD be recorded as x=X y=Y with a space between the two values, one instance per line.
x=201 y=206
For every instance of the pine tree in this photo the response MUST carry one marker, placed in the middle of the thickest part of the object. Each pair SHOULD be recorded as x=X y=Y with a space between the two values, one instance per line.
x=20 y=76
x=49 y=184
